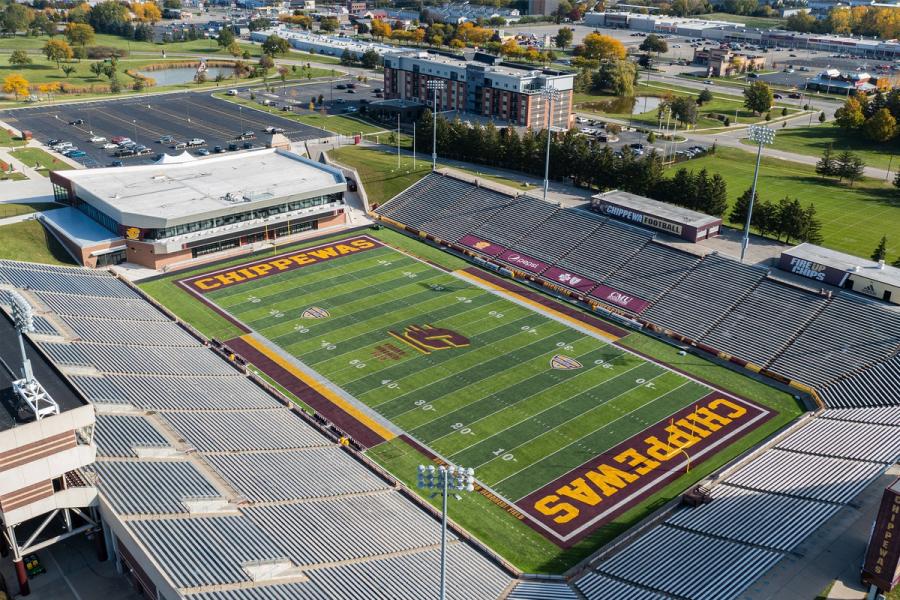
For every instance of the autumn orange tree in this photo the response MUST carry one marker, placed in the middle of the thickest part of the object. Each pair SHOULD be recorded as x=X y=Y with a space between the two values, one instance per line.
x=16 y=84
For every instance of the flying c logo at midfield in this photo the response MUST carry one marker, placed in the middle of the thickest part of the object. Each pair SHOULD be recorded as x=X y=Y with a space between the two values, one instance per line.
x=427 y=338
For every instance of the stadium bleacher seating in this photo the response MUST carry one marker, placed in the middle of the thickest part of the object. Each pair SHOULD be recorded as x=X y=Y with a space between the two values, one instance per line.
x=515 y=221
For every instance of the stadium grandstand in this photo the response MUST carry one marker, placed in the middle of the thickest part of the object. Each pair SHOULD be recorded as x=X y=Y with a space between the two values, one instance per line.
x=211 y=488
x=841 y=347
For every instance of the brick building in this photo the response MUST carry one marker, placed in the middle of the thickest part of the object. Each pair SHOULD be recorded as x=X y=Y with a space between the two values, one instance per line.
x=487 y=86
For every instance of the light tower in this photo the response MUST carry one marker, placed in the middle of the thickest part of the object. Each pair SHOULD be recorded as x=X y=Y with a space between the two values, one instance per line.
x=434 y=85
x=28 y=389
x=549 y=94
x=442 y=479
x=762 y=136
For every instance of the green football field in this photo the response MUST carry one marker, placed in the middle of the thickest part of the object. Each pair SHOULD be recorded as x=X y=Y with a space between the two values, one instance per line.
x=519 y=396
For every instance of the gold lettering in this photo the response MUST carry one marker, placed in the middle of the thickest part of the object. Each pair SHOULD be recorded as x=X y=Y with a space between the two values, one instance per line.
x=680 y=438
x=736 y=410
x=581 y=491
x=229 y=278
x=610 y=479
x=659 y=449
x=247 y=273
x=261 y=269
x=550 y=505
x=207 y=283
x=345 y=249
x=303 y=259
x=633 y=458
x=328 y=252
x=692 y=427
x=362 y=244
x=709 y=419
x=281 y=263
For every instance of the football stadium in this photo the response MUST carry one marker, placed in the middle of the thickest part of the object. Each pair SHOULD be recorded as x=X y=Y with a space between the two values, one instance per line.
x=630 y=418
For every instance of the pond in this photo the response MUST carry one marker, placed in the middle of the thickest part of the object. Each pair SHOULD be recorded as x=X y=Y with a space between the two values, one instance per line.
x=185 y=74
x=626 y=105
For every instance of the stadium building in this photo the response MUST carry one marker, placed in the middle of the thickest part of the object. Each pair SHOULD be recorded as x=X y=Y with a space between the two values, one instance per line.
x=484 y=86
x=157 y=215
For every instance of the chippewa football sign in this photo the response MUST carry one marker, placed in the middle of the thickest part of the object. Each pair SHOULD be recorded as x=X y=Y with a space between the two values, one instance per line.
x=571 y=507
x=882 y=564
x=280 y=264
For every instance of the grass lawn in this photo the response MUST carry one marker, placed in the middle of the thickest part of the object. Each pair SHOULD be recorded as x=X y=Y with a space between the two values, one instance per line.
x=752 y=22
x=8 y=141
x=206 y=47
x=10 y=209
x=14 y=176
x=29 y=241
x=341 y=124
x=45 y=71
x=618 y=108
x=36 y=156
x=383 y=180
x=813 y=141
x=853 y=218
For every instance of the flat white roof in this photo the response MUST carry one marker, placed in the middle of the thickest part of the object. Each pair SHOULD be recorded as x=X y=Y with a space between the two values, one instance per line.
x=162 y=195
x=670 y=212
x=78 y=227
x=847 y=262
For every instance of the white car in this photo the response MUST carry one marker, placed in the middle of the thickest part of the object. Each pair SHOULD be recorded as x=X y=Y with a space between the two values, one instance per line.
x=272 y=129
x=97 y=139
x=110 y=146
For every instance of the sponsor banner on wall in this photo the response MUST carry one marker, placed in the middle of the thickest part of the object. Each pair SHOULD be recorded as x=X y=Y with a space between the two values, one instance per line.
x=570 y=280
x=626 y=301
x=526 y=263
x=573 y=506
x=882 y=565
x=481 y=245
x=283 y=262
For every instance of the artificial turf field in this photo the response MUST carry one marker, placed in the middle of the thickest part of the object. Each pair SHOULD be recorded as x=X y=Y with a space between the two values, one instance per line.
x=365 y=297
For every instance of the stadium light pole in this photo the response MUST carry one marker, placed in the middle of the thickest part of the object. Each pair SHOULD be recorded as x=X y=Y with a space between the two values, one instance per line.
x=443 y=479
x=434 y=85
x=762 y=136
x=549 y=94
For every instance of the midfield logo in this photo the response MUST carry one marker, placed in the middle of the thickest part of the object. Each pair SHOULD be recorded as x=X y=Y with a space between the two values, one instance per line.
x=314 y=312
x=427 y=338
x=564 y=363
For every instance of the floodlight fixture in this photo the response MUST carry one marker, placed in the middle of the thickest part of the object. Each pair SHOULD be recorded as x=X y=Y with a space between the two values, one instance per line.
x=763 y=136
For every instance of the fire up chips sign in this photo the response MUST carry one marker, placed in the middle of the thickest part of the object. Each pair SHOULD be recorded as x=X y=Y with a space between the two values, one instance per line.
x=882 y=566
x=569 y=508
x=280 y=264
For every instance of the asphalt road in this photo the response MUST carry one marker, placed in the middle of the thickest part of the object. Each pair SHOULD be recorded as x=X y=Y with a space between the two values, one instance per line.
x=183 y=116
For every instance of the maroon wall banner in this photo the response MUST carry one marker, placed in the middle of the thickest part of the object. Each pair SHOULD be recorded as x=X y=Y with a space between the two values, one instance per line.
x=626 y=301
x=279 y=264
x=485 y=247
x=570 y=280
x=882 y=565
x=571 y=507
x=523 y=262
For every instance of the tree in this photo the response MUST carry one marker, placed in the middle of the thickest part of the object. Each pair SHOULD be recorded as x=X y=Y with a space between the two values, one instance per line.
x=827 y=167
x=881 y=126
x=812 y=228
x=108 y=16
x=850 y=115
x=68 y=70
x=849 y=166
x=654 y=43
x=684 y=108
x=19 y=58
x=704 y=97
x=226 y=37
x=234 y=49
x=114 y=85
x=602 y=47
x=880 y=251
x=741 y=206
x=42 y=25
x=380 y=29
x=146 y=12
x=15 y=84
x=617 y=77
x=822 y=117
x=346 y=57
x=329 y=24
x=275 y=46
x=370 y=59
x=717 y=196
x=758 y=97
x=266 y=63
x=563 y=38
x=791 y=219
x=16 y=17
x=784 y=113
x=173 y=4
x=79 y=34
x=57 y=50
x=97 y=69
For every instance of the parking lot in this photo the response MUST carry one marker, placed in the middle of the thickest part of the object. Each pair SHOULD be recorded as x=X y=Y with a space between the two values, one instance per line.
x=182 y=116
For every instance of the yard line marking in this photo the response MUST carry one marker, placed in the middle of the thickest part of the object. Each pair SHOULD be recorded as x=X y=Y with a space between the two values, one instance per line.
x=606 y=425
x=528 y=397
x=319 y=387
x=546 y=310
x=549 y=408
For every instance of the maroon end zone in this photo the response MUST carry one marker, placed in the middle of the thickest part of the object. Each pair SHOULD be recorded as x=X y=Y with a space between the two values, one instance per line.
x=288 y=261
x=571 y=507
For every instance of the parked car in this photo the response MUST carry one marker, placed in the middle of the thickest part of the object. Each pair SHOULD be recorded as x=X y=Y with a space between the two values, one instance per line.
x=143 y=151
x=777 y=96
x=118 y=139
x=218 y=150
x=248 y=145
x=246 y=135
x=77 y=122
x=179 y=145
x=53 y=142
x=341 y=86
x=231 y=93
x=97 y=139
x=204 y=151
x=232 y=147
x=196 y=142
x=75 y=153
x=795 y=96
x=125 y=152
x=708 y=81
x=271 y=129
x=116 y=163
x=351 y=85
x=351 y=91
x=110 y=146
x=166 y=139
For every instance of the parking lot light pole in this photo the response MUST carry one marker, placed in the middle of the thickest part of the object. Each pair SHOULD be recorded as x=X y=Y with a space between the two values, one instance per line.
x=549 y=94
x=762 y=136
x=434 y=85
x=443 y=479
